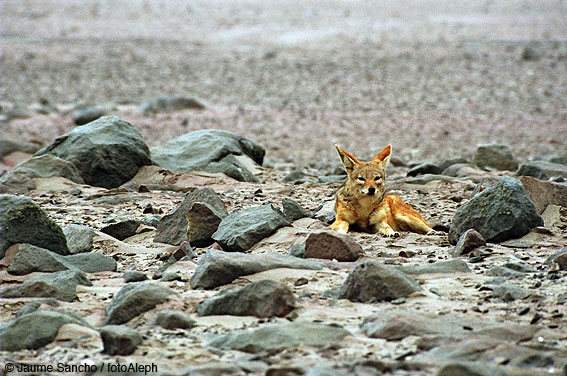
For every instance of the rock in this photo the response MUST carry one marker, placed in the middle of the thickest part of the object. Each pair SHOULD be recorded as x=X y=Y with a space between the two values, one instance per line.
x=293 y=176
x=31 y=259
x=503 y=271
x=331 y=245
x=371 y=281
x=297 y=250
x=35 y=330
x=134 y=299
x=292 y=211
x=204 y=150
x=169 y=103
x=451 y=162
x=92 y=262
x=37 y=304
x=20 y=178
x=495 y=156
x=425 y=168
x=443 y=266
x=134 y=276
x=264 y=298
x=196 y=219
x=107 y=152
x=501 y=212
x=122 y=229
x=276 y=337
x=330 y=178
x=561 y=159
x=558 y=258
x=217 y=268
x=86 y=114
x=400 y=323
x=544 y=193
x=326 y=213
x=9 y=146
x=460 y=170
x=239 y=231
x=78 y=336
x=59 y=285
x=22 y=221
x=471 y=369
x=79 y=238
x=529 y=53
x=542 y=170
x=173 y=320
x=509 y=293
x=468 y=241
x=119 y=339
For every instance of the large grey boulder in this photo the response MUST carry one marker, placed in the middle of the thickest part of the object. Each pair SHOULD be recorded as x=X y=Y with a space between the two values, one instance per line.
x=35 y=330
x=217 y=268
x=107 y=152
x=196 y=219
x=209 y=150
x=265 y=298
x=239 y=231
x=501 y=212
x=134 y=299
x=274 y=337
x=20 y=178
x=23 y=221
x=332 y=245
x=372 y=281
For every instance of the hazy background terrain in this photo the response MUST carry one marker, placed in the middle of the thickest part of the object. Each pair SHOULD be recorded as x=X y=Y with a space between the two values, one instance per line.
x=434 y=78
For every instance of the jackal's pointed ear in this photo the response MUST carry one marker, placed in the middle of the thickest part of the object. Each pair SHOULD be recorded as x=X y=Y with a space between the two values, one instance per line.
x=384 y=155
x=349 y=161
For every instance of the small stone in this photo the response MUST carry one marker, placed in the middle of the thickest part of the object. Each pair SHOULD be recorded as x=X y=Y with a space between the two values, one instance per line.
x=122 y=229
x=119 y=339
x=469 y=241
x=425 y=168
x=293 y=176
x=87 y=114
x=173 y=320
x=495 y=156
x=79 y=238
x=332 y=246
x=371 y=281
x=134 y=276
x=293 y=211
x=265 y=298
x=297 y=250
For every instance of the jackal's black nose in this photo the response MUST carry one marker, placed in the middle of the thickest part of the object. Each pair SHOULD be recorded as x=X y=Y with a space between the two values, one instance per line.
x=371 y=191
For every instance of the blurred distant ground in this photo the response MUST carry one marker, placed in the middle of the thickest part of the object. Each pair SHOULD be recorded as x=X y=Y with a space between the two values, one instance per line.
x=434 y=78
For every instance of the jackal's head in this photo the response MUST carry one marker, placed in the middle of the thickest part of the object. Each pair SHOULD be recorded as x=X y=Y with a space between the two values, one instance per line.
x=366 y=177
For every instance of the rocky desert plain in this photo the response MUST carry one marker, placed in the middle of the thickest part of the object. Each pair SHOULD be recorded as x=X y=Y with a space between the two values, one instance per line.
x=169 y=172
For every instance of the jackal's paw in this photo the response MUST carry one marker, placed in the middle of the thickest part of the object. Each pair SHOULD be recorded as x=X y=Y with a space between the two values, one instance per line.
x=390 y=233
x=435 y=232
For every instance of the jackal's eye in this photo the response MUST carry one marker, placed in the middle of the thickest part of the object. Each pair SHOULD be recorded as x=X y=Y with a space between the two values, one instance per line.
x=377 y=178
x=361 y=179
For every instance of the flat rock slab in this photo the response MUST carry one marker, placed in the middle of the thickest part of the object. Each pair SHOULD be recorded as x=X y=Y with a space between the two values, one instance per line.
x=173 y=320
x=20 y=178
x=372 y=281
x=35 y=330
x=444 y=266
x=275 y=337
x=265 y=298
x=239 y=231
x=218 y=268
x=544 y=193
x=501 y=212
x=30 y=258
x=59 y=285
x=133 y=299
x=23 y=221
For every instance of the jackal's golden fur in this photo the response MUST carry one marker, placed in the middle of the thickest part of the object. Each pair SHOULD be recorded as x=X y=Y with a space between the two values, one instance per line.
x=362 y=201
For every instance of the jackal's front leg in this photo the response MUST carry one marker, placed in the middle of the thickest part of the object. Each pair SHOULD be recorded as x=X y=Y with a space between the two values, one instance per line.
x=379 y=223
x=340 y=225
